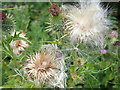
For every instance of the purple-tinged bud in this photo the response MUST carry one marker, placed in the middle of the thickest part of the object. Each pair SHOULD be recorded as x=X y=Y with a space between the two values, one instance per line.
x=114 y=34
x=2 y=16
x=103 y=51
x=59 y=54
x=54 y=9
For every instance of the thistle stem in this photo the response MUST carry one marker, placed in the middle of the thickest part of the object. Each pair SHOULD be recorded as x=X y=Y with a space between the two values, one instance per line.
x=50 y=2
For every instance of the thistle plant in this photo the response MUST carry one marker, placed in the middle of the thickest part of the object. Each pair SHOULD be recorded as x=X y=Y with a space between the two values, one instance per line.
x=18 y=46
x=86 y=22
x=46 y=67
x=60 y=45
x=8 y=22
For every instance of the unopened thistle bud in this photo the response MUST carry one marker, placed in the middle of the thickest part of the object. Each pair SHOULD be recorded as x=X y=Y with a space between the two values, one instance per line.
x=54 y=9
x=103 y=51
x=2 y=16
x=116 y=43
x=8 y=22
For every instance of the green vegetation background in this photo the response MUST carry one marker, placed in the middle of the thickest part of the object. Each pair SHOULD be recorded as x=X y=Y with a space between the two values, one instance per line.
x=98 y=71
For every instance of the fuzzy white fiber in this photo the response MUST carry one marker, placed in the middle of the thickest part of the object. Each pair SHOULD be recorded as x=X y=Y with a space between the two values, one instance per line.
x=18 y=46
x=46 y=68
x=86 y=22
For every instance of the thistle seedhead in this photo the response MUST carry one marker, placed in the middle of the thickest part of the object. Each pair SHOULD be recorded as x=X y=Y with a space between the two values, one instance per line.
x=18 y=46
x=86 y=22
x=44 y=67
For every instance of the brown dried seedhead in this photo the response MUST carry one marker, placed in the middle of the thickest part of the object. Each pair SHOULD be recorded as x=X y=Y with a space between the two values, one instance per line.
x=44 y=62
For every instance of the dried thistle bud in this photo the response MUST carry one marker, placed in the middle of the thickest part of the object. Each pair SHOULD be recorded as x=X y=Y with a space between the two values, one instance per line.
x=80 y=61
x=74 y=76
x=54 y=9
x=117 y=43
x=2 y=16
x=8 y=6
x=114 y=34
x=18 y=46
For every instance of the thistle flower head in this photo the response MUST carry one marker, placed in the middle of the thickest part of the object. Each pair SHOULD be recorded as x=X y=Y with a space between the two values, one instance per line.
x=54 y=9
x=103 y=51
x=113 y=34
x=45 y=68
x=20 y=34
x=8 y=22
x=86 y=22
x=2 y=16
x=18 y=46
